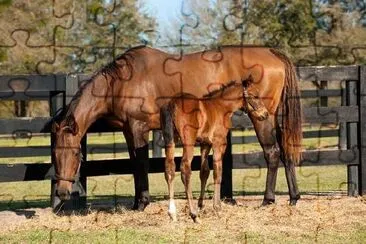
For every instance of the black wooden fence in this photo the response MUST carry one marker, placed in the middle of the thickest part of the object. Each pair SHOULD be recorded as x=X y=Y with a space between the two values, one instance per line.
x=58 y=90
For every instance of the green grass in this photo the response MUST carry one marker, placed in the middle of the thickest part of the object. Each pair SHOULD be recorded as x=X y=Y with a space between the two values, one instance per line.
x=109 y=235
x=129 y=235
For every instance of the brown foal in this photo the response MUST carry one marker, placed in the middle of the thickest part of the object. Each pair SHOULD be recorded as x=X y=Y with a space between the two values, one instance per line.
x=207 y=121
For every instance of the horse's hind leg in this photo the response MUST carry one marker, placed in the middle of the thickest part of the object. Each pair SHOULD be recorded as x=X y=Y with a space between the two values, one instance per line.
x=266 y=134
x=204 y=172
x=290 y=175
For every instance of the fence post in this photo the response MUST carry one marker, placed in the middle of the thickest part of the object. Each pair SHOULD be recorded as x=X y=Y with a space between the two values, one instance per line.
x=78 y=193
x=227 y=174
x=352 y=170
x=362 y=129
x=323 y=99
x=156 y=148
x=342 y=141
x=56 y=102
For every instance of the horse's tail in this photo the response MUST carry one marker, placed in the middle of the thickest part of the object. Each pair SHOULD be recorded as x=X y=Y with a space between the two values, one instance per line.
x=167 y=123
x=291 y=135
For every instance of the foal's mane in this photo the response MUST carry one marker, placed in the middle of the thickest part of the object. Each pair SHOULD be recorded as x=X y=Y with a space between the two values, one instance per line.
x=221 y=89
x=112 y=70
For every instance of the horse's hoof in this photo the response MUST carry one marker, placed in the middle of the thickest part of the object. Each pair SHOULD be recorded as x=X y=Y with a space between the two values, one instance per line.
x=195 y=218
x=267 y=202
x=173 y=217
x=230 y=201
x=293 y=201
x=140 y=205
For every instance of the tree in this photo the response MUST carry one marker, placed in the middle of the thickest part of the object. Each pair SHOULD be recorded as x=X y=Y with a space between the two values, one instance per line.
x=42 y=36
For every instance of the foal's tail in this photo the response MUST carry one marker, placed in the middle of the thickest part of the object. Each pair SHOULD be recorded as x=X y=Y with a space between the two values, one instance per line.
x=291 y=135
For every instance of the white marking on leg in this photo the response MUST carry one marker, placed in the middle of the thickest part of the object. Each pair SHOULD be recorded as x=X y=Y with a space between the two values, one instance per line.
x=172 y=210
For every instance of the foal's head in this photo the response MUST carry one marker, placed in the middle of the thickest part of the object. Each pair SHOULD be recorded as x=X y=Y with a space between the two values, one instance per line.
x=67 y=155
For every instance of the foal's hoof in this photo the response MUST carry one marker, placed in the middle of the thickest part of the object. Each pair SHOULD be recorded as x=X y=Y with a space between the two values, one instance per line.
x=173 y=216
x=195 y=218
x=267 y=202
x=217 y=207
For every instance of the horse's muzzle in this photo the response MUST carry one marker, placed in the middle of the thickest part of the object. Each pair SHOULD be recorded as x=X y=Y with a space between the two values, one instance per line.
x=63 y=194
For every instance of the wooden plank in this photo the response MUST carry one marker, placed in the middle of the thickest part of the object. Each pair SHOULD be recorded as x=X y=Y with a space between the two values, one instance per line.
x=328 y=73
x=31 y=151
x=306 y=134
x=310 y=158
x=30 y=125
x=362 y=130
x=25 y=172
x=37 y=151
x=331 y=114
x=321 y=93
x=30 y=87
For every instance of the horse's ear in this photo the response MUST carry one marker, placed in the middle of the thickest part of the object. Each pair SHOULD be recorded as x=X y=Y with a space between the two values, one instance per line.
x=71 y=125
x=55 y=127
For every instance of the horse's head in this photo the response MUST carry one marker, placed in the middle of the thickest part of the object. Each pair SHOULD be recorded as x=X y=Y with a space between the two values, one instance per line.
x=67 y=155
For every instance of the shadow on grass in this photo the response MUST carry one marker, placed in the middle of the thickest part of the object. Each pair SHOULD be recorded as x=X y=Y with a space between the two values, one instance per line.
x=112 y=203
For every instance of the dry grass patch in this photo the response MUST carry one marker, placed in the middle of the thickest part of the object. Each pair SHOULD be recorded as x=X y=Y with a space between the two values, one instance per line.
x=333 y=219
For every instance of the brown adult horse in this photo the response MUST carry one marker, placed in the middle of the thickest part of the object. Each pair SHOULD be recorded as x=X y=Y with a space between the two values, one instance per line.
x=137 y=84
x=205 y=120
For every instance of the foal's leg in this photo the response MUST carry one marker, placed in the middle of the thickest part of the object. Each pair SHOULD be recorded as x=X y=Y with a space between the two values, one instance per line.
x=266 y=134
x=219 y=147
x=186 y=171
x=204 y=172
x=169 y=177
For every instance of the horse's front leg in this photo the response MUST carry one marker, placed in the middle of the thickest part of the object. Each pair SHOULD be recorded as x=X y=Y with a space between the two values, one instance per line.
x=140 y=152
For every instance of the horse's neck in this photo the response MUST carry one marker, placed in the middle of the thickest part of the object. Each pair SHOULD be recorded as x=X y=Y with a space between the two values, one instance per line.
x=92 y=104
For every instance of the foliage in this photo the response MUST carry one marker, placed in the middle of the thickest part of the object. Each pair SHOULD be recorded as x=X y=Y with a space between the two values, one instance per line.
x=42 y=36
x=311 y=32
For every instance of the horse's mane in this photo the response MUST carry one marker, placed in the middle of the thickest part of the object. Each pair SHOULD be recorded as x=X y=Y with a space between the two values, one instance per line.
x=221 y=89
x=112 y=70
